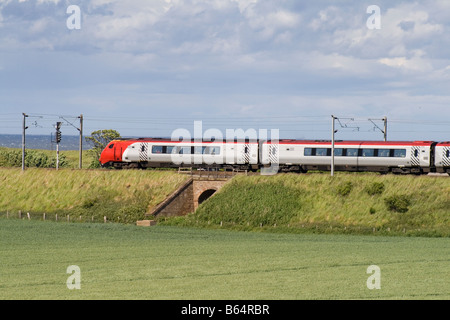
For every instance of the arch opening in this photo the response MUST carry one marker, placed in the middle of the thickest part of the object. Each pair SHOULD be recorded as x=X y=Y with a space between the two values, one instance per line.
x=206 y=195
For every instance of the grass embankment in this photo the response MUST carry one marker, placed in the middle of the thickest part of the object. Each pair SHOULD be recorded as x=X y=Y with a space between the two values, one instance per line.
x=120 y=196
x=119 y=261
x=347 y=203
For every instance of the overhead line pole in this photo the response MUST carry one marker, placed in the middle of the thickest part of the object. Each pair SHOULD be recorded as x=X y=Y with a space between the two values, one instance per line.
x=23 y=140
x=81 y=141
x=332 y=145
x=384 y=131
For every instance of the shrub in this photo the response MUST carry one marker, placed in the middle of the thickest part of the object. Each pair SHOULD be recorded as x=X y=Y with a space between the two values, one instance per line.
x=375 y=188
x=397 y=203
x=33 y=158
x=345 y=189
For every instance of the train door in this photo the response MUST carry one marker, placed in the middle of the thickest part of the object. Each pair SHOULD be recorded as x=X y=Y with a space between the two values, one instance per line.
x=415 y=156
x=246 y=154
x=117 y=154
x=143 y=152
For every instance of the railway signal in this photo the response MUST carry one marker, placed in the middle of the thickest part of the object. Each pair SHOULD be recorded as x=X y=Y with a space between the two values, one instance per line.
x=58 y=140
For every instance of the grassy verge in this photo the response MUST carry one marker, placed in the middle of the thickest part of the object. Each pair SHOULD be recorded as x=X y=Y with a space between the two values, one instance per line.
x=86 y=195
x=347 y=203
x=119 y=261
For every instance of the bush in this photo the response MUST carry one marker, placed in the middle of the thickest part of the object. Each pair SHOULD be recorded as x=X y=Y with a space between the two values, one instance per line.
x=375 y=188
x=397 y=203
x=345 y=189
x=33 y=159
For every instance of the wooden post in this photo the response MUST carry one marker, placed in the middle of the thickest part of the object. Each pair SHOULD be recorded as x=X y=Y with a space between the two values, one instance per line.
x=28 y=215
x=104 y=219
x=43 y=216
x=20 y=214
x=56 y=217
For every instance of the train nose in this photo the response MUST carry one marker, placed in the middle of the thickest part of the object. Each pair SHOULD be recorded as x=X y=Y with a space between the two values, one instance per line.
x=107 y=154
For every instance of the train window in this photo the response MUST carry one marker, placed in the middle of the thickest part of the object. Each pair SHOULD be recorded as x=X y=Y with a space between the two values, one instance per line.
x=339 y=152
x=157 y=149
x=352 y=152
x=321 y=152
x=416 y=153
x=399 y=153
x=205 y=150
x=308 y=152
x=185 y=150
x=368 y=152
x=447 y=154
x=111 y=145
x=384 y=152
x=171 y=149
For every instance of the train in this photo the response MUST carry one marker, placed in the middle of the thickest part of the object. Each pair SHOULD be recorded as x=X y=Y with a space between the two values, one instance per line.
x=283 y=155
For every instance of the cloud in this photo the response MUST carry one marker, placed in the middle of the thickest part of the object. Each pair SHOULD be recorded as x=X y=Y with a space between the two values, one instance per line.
x=218 y=57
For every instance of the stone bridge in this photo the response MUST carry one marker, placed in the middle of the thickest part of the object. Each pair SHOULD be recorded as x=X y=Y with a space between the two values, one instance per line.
x=189 y=196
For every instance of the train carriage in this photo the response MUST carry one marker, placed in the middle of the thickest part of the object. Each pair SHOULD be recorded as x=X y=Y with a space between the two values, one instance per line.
x=442 y=157
x=161 y=152
x=377 y=156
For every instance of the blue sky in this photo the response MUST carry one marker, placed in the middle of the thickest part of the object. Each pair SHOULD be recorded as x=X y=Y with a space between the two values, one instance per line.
x=146 y=68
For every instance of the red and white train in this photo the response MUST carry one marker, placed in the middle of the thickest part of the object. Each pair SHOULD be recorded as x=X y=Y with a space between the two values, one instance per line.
x=415 y=157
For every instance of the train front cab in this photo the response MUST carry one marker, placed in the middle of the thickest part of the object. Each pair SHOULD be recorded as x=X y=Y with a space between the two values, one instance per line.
x=111 y=156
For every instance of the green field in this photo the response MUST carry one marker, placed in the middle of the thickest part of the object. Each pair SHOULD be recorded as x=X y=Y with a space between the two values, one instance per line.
x=128 y=262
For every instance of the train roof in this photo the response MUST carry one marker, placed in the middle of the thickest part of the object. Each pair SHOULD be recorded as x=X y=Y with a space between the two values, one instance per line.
x=294 y=141
x=170 y=140
x=358 y=142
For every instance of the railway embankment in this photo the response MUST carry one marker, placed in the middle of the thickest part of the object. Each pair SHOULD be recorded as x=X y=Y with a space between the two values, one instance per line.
x=346 y=203
x=122 y=196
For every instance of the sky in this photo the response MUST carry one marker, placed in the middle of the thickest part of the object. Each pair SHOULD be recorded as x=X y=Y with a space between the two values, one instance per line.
x=148 y=68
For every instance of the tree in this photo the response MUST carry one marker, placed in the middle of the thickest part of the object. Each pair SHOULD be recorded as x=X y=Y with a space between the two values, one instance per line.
x=100 y=140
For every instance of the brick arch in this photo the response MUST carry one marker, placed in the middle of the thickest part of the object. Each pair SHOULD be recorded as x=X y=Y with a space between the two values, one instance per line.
x=205 y=188
x=205 y=195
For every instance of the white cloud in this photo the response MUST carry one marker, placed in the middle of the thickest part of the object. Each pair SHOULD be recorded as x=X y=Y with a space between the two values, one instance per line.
x=217 y=56
x=416 y=63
